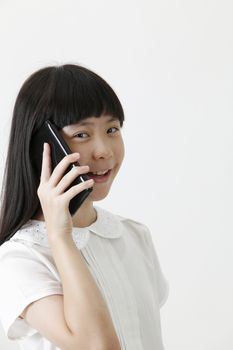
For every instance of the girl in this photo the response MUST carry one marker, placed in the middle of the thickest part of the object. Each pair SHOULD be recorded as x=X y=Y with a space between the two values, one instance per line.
x=87 y=281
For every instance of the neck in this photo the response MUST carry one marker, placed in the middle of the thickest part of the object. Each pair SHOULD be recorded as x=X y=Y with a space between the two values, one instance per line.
x=85 y=215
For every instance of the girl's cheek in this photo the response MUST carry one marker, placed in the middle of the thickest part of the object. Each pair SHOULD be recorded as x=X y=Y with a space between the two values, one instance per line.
x=120 y=150
x=84 y=156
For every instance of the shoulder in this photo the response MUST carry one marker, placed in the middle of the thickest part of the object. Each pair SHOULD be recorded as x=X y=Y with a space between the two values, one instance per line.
x=27 y=268
x=129 y=225
x=26 y=276
x=134 y=225
x=12 y=250
x=20 y=256
x=16 y=260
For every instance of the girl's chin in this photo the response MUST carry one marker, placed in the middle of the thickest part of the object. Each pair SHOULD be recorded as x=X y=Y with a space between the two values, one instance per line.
x=98 y=195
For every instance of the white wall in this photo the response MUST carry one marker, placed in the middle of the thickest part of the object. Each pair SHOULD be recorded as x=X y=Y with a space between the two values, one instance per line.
x=170 y=63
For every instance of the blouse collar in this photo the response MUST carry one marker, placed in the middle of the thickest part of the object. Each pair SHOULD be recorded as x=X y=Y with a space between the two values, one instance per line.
x=107 y=225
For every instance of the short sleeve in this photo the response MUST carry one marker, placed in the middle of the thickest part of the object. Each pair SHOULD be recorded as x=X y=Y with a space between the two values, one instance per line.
x=24 y=278
x=162 y=283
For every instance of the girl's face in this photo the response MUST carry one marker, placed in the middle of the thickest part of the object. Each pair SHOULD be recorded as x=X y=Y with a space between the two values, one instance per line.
x=100 y=144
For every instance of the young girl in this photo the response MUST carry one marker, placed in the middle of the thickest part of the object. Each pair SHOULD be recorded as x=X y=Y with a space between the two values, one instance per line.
x=87 y=281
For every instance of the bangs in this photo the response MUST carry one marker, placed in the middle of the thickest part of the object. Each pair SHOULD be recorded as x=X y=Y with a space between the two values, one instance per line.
x=77 y=93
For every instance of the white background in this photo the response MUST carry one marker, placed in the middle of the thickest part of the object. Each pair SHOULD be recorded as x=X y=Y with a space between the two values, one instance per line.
x=170 y=62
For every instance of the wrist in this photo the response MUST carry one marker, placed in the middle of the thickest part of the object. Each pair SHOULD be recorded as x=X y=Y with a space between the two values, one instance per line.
x=56 y=238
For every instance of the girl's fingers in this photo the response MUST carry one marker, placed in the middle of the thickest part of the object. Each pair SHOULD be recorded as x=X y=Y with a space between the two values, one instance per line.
x=46 y=164
x=70 y=177
x=74 y=190
x=60 y=169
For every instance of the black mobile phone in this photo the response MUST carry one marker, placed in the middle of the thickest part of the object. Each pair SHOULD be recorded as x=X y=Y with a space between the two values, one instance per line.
x=49 y=133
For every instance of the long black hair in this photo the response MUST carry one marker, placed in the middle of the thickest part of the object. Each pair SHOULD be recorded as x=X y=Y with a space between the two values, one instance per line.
x=64 y=94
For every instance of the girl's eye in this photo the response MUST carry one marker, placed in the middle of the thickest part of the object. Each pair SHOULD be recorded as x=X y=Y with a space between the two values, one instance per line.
x=81 y=133
x=116 y=129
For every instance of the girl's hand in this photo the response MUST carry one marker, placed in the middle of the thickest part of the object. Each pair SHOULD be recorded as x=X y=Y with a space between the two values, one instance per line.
x=54 y=201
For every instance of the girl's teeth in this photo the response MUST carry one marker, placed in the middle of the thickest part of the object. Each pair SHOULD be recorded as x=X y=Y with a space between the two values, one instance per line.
x=100 y=172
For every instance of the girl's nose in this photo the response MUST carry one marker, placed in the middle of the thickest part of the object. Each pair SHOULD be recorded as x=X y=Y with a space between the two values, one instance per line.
x=102 y=150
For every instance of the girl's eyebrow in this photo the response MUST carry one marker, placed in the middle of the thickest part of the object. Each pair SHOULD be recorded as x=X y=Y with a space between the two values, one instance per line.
x=82 y=123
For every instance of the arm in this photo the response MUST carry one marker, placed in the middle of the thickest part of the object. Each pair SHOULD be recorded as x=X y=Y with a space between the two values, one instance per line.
x=85 y=310
x=80 y=319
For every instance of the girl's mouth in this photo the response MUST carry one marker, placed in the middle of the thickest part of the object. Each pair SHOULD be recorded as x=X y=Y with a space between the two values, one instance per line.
x=100 y=178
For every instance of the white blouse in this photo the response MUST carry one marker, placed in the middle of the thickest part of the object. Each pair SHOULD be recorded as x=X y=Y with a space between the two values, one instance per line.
x=119 y=253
